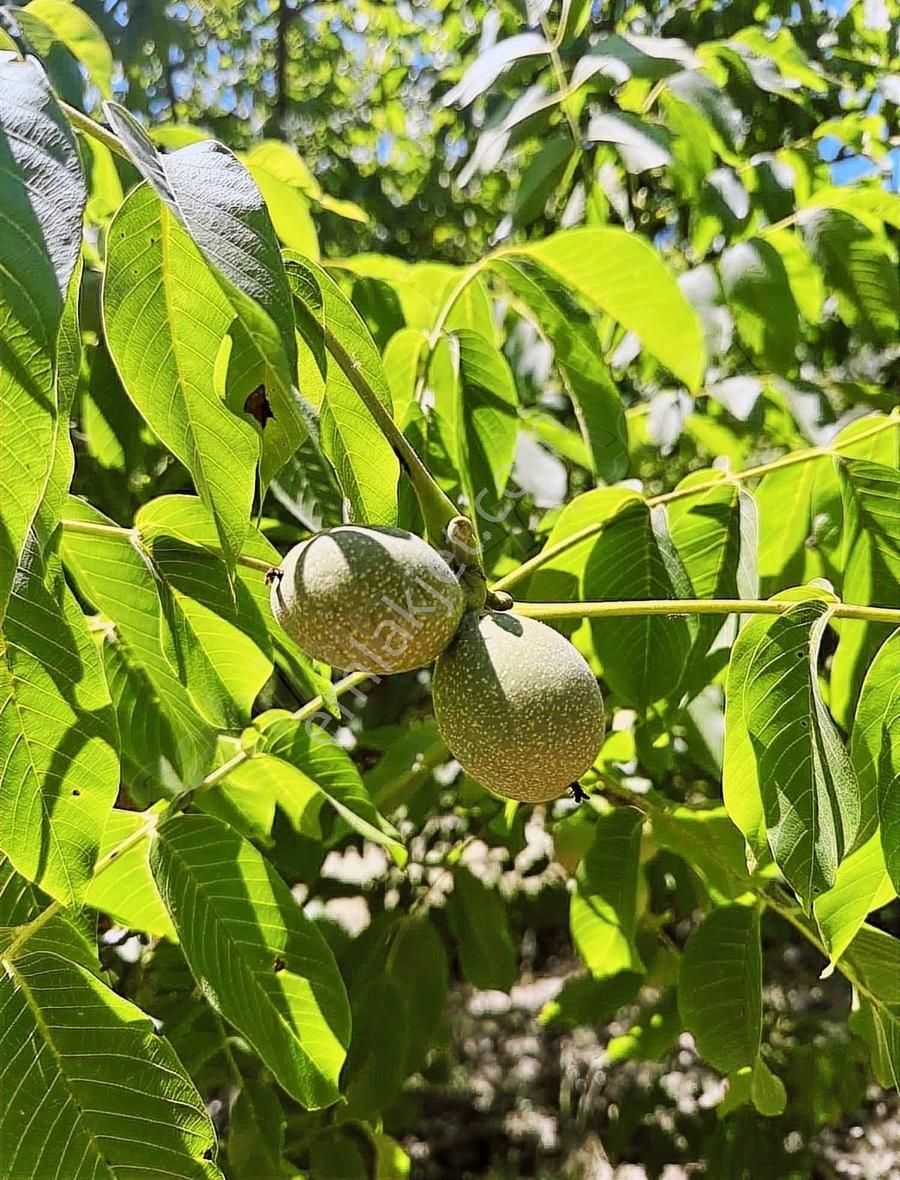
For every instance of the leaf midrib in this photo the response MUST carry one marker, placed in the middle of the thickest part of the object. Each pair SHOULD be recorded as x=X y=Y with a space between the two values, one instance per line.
x=43 y=1028
x=236 y=946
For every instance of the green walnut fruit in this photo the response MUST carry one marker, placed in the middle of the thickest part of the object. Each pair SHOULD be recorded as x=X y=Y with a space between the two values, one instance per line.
x=518 y=706
x=367 y=599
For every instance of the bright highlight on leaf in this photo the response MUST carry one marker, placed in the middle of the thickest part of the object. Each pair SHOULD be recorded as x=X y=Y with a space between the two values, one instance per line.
x=278 y=982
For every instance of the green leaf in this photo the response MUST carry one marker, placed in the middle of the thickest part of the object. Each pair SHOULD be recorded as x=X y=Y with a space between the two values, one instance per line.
x=68 y=376
x=787 y=774
x=805 y=277
x=471 y=309
x=585 y=1000
x=860 y=267
x=603 y=908
x=875 y=746
x=540 y=179
x=403 y=358
x=561 y=579
x=165 y=318
x=42 y=194
x=759 y=296
x=20 y=901
x=315 y=770
x=307 y=486
x=870 y=493
x=478 y=410
x=364 y=460
x=879 y=1026
x=756 y=1084
x=861 y=885
x=874 y=959
x=58 y=741
x=218 y=203
x=125 y=889
x=720 y=987
x=344 y=1152
x=784 y=500
x=75 y=29
x=706 y=530
x=165 y=741
x=643 y=657
x=800 y=506
x=417 y=962
x=650 y=1036
x=480 y=925
x=623 y=276
x=278 y=983
x=185 y=518
x=578 y=356
x=223 y=646
x=114 y=1103
x=376 y=1063
x=256 y=1134
x=872 y=962
x=288 y=208
x=767 y=1090
x=710 y=843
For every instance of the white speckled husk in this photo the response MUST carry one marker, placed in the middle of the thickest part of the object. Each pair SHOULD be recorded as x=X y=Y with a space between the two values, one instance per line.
x=367 y=599
x=518 y=706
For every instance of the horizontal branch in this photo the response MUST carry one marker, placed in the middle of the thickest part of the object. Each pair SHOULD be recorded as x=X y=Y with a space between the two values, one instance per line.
x=91 y=528
x=675 y=607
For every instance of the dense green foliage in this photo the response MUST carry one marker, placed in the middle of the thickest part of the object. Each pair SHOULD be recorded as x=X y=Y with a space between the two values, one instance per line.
x=587 y=278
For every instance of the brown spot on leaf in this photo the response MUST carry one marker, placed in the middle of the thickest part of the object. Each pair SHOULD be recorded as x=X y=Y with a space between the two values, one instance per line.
x=257 y=405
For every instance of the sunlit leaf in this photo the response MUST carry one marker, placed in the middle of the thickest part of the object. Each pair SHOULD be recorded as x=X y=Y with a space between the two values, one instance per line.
x=80 y=35
x=43 y=197
x=603 y=908
x=340 y=346
x=314 y=770
x=125 y=889
x=875 y=746
x=58 y=740
x=164 y=738
x=215 y=199
x=623 y=276
x=577 y=353
x=788 y=780
x=870 y=495
x=78 y=1106
x=165 y=318
x=278 y=984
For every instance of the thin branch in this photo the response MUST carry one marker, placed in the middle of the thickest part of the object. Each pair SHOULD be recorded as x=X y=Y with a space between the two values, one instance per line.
x=550 y=552
x=468 y=275
x=437 y=507
x=88 y=126
x=92 y=528
x=676 y=607
x=152 y=818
